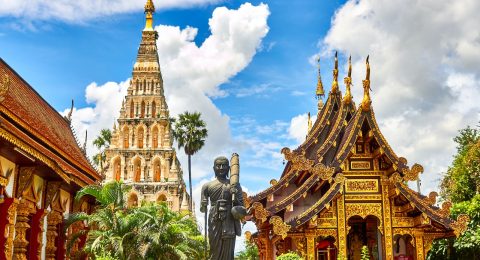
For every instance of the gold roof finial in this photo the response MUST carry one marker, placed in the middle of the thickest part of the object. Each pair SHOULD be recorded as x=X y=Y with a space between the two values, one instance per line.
x=348 y=83
x=366 y=102
x=149 y=10
x=335 y=76
x=309 y=123
x=319 y=92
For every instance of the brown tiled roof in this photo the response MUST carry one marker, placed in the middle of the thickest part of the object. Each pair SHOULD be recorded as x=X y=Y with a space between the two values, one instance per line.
x=46 y=127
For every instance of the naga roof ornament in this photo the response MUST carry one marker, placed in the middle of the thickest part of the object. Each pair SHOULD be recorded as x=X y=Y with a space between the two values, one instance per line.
x=367 y=101
x=335 y=75
x=348 y=99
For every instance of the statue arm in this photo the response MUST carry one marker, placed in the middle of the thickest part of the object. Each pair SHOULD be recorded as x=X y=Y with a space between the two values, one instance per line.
x=238 y=196
x=204 y=199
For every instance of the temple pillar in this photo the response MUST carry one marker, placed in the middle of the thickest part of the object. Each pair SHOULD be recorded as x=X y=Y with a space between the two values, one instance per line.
x=419 y=246
x=387 y=220
x=9 y=228
x=36 y=235
x=342 y=235
x=53 y=219
x=20 y=243
x=310 y=247
x=300 y=244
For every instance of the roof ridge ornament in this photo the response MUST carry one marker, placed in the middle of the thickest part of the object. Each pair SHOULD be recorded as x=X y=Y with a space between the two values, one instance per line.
x=366 y=102
x=348 y=83
x=309 y=126
x=149 y=10
x=319 y=92
x=335 y=75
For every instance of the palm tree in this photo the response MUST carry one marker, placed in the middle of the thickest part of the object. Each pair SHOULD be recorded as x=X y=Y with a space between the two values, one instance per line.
x=150 y=231
x=190 y=132
x=102 y=142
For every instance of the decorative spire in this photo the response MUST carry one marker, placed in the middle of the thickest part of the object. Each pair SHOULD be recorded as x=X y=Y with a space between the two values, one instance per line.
x=366 y=102
x=184 y=204
x=319 y=93
x=149 y=10
x=69 y=116
x=85 y=143
x=335 y=75
x=309 y=123
x=348 y=83
x=114 y=125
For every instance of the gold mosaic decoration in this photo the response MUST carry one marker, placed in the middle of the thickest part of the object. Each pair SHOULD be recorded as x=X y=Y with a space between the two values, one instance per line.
x=279 y=227
x=461 y=224
x=361 y=185
x=412 y=174
x=260 y=212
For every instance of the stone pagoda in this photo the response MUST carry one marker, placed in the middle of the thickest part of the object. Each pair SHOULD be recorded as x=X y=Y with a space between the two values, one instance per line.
x=141 y=152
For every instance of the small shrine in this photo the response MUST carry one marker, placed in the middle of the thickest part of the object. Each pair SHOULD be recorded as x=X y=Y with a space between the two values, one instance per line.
x=344 y=188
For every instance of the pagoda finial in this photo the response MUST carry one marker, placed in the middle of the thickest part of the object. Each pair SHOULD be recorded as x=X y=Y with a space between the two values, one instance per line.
x=366 y=102
x=335 y=75
x=149 y=10
x=348 y=83
x=309 y=123
x=319 y=93
x=114 y=125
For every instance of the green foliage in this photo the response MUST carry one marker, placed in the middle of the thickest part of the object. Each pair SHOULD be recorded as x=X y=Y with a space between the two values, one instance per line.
x=340 y=256
x=365 y=254
x=289 y=256
x=190 y=132
x=460 y=185
x=150 y=231
x=250 y=252
x=102 y=142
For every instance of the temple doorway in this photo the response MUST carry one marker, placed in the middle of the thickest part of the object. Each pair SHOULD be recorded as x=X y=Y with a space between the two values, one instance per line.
x=403 y=247
x=325 y=248
x=364 y=232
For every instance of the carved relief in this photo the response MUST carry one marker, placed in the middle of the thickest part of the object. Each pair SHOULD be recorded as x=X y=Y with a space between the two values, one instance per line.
x=10 y=228
x=461 y=224
x=260 y=212
x=361 y=185
x=363 y=210
x=360 y=165
x=279 y=227
x=412 y=174
x=24 y=210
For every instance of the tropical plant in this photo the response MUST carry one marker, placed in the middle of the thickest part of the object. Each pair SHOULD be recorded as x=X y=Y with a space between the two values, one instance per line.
x=461 y=186
x=289 y=256
x=190 y=132
x=364 y=254
x=102 y=142
x=150 y=231
x=249 y=253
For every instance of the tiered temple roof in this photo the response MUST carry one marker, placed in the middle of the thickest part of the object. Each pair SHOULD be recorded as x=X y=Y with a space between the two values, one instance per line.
x=32 y=121
x=315 y=172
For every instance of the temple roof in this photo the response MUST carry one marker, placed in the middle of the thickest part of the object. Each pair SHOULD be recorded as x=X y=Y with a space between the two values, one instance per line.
x=313 y=175
x=31 y=119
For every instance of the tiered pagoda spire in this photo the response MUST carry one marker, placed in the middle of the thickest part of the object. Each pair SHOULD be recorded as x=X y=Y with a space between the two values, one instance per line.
x=320 y=92
x=348 y=98
x=141 y=152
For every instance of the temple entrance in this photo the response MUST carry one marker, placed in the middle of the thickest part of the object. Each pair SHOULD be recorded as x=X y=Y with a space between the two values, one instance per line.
x=364 y=232
x=403 y=247
x=325 y=248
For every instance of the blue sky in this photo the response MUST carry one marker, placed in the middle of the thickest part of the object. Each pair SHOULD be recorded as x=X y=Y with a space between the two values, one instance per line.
x=257 y=87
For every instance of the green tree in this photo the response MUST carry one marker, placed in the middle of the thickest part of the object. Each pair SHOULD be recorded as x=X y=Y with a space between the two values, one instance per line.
x=190 y=132
x=460 y=185
x=250 y=252
x=365 y=255
x=289 y=256
x=102 y=142
x=150 y=231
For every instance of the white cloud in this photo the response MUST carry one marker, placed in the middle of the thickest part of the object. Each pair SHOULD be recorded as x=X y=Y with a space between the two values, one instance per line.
x=425 y=60
x=75 y=11
x=298 y=127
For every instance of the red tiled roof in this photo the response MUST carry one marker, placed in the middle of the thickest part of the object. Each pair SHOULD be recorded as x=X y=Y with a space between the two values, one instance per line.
x=51 y=130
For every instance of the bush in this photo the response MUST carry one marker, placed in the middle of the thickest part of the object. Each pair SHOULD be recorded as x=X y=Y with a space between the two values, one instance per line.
x=289 y=256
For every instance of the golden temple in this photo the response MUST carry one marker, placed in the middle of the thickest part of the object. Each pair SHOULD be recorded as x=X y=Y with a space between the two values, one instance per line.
x=345 y=188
